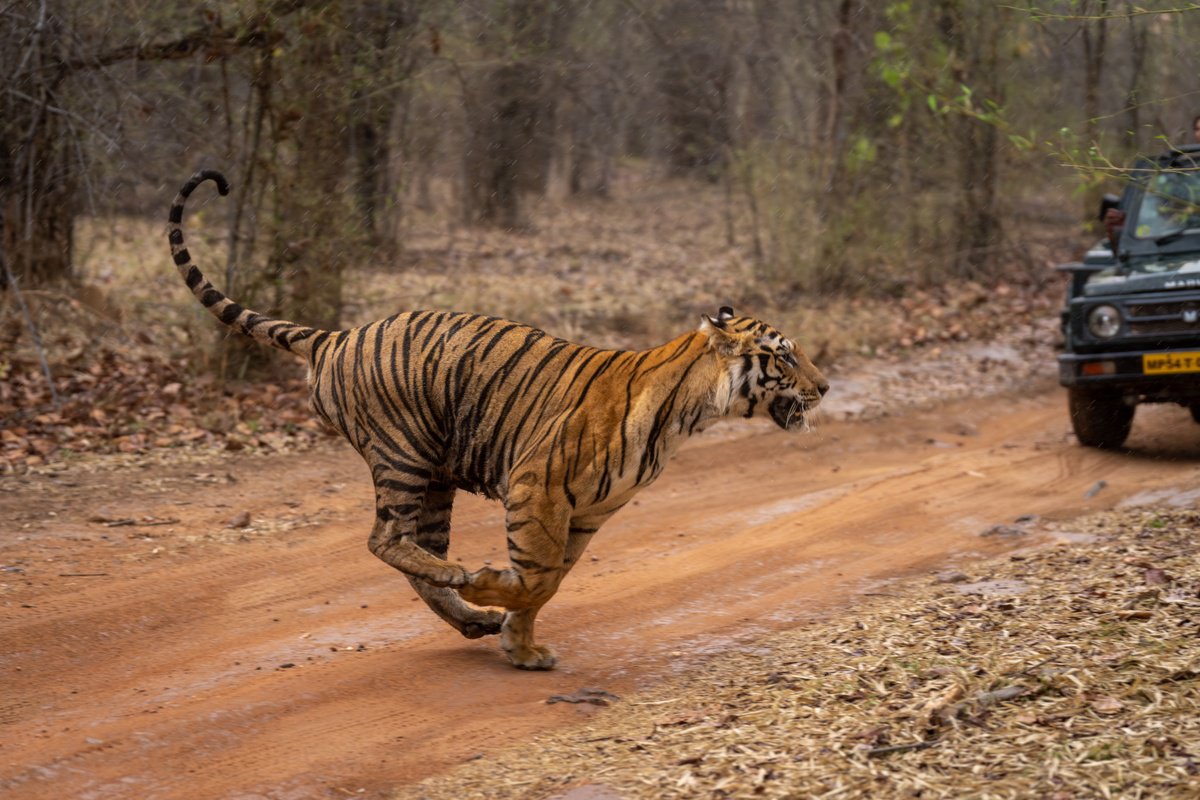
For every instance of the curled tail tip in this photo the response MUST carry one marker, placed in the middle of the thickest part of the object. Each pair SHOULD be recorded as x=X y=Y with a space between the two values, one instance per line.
x=185 y=191
x=210 y=175
x=199 y=177
x=218 y=178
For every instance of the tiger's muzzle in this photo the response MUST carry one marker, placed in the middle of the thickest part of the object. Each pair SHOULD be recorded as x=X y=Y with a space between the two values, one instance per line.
x=788 y=412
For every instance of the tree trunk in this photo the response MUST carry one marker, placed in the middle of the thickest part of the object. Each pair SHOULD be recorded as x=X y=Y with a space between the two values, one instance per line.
x=835 y=90
x=504 y=116
x=315 y=224
x=975 y=63
x=1094 y=35
x=1133 y=90
x=694 y=78
x=592 y=129
x=383 y=52
x=510 y=113
x=39 y=212
x=831 y=273
x=37 y=165
x=372 y=155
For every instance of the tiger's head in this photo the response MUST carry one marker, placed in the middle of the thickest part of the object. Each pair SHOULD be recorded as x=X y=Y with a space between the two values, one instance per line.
x=768 y=374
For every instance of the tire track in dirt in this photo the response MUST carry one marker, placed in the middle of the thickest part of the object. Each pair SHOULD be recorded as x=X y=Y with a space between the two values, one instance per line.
x=164 y=679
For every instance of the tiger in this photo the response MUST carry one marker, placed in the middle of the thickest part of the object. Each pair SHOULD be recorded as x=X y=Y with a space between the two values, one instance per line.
x=562 y=434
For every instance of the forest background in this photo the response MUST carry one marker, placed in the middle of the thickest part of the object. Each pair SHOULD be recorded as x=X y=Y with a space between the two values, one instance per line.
x=858 y=159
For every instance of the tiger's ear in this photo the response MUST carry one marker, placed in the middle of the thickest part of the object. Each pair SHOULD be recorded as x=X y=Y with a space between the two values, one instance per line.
x=719 y=336
x=723 y=316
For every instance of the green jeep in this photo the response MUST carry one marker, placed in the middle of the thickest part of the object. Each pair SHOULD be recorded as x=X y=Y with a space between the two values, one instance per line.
x=1131 y=325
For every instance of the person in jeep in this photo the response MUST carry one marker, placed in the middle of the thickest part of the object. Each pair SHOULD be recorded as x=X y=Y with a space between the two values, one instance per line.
x=1113 y=219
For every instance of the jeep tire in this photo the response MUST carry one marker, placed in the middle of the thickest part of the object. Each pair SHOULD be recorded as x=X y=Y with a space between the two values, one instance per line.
x=1100 y=419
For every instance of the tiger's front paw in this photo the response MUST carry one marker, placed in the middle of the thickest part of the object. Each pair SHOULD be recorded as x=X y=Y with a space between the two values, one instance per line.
x=490 y=587
x=535 y=656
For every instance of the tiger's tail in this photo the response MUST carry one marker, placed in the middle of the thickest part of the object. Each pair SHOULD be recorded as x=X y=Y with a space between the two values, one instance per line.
x=274 y=332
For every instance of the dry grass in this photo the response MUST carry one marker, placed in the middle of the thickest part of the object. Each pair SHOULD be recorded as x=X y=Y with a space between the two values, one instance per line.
x=634 y=271
x=1071 y=671
x=638 y=270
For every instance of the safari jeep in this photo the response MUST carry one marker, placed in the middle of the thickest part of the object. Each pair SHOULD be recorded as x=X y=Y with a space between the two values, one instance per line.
x=1131 y=325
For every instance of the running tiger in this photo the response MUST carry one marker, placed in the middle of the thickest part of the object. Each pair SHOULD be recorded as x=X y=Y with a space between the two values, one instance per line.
x=563 y=434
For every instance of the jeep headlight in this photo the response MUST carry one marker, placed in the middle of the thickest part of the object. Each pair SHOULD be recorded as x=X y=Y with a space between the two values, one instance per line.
x=1104 y=322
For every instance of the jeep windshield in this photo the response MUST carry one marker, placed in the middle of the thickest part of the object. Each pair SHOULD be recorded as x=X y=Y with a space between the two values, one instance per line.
x=1166 y=217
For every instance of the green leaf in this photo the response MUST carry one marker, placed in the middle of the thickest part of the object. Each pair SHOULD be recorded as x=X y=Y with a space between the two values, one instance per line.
x=862 y=152
x=1020 y=142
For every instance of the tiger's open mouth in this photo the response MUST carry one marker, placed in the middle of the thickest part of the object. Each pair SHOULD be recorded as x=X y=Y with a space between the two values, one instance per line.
x=788 y=412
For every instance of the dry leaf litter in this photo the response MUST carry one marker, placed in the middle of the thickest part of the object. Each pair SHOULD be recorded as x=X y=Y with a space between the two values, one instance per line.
x=1067 y=672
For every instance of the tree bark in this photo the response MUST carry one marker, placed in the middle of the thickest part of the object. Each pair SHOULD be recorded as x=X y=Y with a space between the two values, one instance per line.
x=315 y=225
x=384 y=29
x=975 y=63
x=510 y=113
x=1094 y=35
x=1133 y=90
x=504 y=117
x=694 y=79
x=37 y=166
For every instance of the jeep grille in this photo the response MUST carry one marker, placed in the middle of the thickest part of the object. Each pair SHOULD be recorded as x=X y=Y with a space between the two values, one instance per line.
x=1148 y=319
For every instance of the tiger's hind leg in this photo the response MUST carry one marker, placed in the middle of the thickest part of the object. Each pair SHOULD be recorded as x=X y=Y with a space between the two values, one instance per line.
x=433 y=535
x=541 y=549
x=412 y=534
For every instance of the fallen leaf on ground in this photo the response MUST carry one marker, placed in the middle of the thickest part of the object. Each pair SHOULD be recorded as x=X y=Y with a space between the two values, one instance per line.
x=1156 y=577
x=597 y=697
x=1107 y=705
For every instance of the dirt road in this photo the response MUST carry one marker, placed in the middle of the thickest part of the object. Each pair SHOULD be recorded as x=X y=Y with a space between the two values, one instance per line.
x=158 y=653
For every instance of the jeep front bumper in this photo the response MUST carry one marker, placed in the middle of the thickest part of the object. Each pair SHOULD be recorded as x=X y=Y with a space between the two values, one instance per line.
x=1168 y=375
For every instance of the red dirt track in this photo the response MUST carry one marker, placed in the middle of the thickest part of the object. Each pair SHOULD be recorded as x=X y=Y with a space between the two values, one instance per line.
x=146 y=660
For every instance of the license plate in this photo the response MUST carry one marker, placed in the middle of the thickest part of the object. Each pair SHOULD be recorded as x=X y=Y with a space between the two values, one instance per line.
x=1170 y=363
